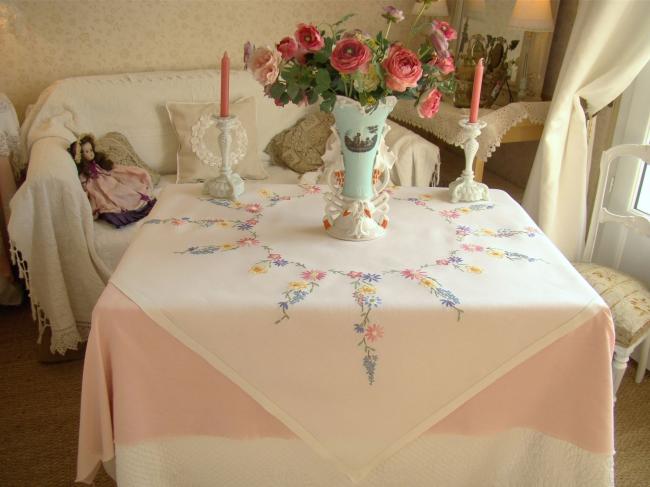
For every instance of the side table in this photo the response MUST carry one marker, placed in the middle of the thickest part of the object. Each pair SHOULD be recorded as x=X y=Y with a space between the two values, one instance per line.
x=515 y=122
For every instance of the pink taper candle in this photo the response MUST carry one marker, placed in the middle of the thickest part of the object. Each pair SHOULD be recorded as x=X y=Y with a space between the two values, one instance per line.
x=476 y=92
x=225 y=88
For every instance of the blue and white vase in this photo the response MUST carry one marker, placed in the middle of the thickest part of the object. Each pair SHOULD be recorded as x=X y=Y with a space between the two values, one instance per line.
x=357 y=207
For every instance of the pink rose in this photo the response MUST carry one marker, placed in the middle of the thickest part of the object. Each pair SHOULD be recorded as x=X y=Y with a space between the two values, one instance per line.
x=444 y=64
x=440 y=43
x=393 y=14
x=264 y=64
x=429 y=103
x=445 y=28
x=403 y=68
x=350 y=55
x=288 y=47
x=309 y=38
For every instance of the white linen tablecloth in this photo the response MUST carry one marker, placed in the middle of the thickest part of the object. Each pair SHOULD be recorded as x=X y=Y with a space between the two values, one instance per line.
x=350 y=344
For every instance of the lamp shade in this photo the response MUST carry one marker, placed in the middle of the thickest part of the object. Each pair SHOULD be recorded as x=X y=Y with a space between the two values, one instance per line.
x=474 y=9
x=437 y=8
x=532 y=15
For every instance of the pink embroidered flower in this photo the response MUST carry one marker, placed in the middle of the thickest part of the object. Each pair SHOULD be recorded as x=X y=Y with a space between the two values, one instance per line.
x=403 y=68
x=177 y=222
x=413 y=275
x=442 y=262
x=312 y=189
x=450 y=213
x=350 y=55
x=374 y=332
x=472 y=248
x=393 y=14
x=252 y=221
x=248 y=242
x=420 y=203
x=446 y=29
x=288 y=48
x=275 y=256
x=355 y=274
x=309 y=38
x=253 y=208
x=444 y=64
x=313 y=275
x=429 y=103
x=264 y=64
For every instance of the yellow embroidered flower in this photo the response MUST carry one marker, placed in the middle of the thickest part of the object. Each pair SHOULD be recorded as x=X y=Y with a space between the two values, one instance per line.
x=428 y=282
x=224 y=224
x=464 y=210
x=474 y=270
x=259 y=269
x=426 y=196
x=487 y=231
x=228 y=246
x=496 y=253
x=297 y=285
x=367 y=289
x=265 y=193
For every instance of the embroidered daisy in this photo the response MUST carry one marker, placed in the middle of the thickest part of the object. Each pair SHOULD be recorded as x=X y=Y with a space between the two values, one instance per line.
x=374 y=332
x=313 y=275
x=355 y=274
x=413 y=275
x=367 y=289
x=474 y=269
x=248 y=242
x=253 y=208
x=259 y=269
x=428 y=282
x=297 y=285
x=496 y=253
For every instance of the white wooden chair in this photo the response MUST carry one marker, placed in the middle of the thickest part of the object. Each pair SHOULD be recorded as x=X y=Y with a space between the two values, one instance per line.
x=627 y=297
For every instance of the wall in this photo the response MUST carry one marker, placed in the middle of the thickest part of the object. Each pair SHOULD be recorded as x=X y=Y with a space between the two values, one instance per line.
x=42 y=41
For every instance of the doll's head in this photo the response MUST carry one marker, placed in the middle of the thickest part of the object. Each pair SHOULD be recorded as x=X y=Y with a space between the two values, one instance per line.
x=83 y=153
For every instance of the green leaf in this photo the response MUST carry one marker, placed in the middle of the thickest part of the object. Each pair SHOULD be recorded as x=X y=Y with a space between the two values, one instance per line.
x=312 y=97
x=292 y=90
x=284 y=98
x=277 y=89
x=345 y=18
x=323 y=80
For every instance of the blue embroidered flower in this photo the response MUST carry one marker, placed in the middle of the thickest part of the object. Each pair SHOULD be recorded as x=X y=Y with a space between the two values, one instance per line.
x=280 y=262
x=243 y=226
x=359 y=328
x=372 y=301
x=454 y=259
x=284 y=305
x=367 y=277
x=370 y=364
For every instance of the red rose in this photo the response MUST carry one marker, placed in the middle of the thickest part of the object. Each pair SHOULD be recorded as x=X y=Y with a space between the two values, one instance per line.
x=288 y=47
x=309 y=38
x=403 y=68
x=350 y=55
x=429 y=103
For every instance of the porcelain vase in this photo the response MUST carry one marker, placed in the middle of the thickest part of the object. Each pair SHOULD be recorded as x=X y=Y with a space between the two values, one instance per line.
x=357 y=207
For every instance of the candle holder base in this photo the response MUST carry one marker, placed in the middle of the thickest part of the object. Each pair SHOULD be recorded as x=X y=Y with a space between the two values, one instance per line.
x=224 y=186
x=465 y=188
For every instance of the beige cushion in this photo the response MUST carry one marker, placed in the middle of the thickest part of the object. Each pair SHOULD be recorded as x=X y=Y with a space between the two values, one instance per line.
x=300 y=147
x=189 y=168
x=628 y=299
x=117 y=148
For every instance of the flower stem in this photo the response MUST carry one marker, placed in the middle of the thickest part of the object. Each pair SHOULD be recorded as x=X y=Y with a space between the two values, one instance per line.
x=415 y=23
x=387 y=30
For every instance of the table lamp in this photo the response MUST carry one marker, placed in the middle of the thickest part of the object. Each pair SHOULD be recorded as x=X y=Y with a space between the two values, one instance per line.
x=530 y=16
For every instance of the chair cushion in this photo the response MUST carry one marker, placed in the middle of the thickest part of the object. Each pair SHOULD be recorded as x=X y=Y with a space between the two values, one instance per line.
x=184 y=116
x=628 y=299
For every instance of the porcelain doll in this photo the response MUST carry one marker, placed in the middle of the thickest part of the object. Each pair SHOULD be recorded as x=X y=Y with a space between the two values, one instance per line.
x=118 y=194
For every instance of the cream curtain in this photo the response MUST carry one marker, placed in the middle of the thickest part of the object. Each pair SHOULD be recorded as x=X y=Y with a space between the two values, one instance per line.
x=609 y=45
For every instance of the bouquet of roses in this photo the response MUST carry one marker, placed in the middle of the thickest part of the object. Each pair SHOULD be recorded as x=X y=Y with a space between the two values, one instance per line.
x=317 y=65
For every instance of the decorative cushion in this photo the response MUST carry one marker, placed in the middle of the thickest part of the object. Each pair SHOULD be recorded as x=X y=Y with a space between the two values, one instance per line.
x=300 y=147
x=189 y=167
x=117 y=148
x=628 y=299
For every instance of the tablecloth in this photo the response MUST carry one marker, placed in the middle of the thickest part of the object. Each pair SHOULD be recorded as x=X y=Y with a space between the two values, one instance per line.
x=499 y=121
x=334 y=338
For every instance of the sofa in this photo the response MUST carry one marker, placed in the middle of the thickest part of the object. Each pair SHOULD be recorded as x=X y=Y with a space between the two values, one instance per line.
x=65 y=256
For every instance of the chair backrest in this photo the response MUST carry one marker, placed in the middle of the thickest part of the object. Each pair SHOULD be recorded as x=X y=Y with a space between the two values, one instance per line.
x=601 y=213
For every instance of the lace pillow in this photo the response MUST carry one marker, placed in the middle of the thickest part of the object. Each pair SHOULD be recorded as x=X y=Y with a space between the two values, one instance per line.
x=300 y=147
x=189 y=167
x=118 y=149
x=628 y=299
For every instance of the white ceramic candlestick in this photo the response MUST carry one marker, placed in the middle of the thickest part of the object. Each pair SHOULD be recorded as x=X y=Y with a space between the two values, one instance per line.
x=227 y=184
x=465 y=188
